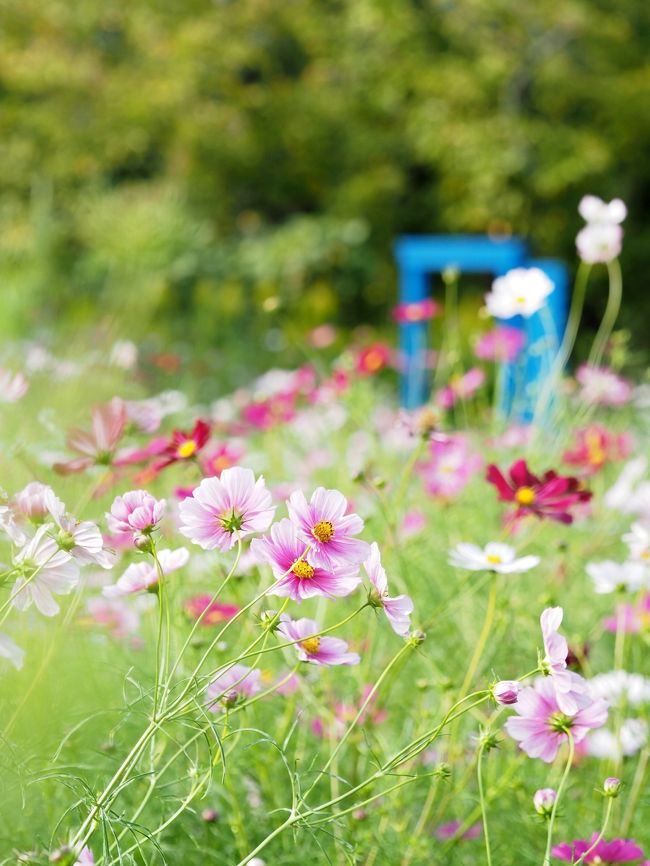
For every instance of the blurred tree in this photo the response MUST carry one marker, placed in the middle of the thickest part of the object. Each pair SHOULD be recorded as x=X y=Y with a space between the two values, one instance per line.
x=214 y=160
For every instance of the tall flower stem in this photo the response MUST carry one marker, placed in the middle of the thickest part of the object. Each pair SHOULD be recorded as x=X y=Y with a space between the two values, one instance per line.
x=560 y=790
x=483 y=638
x=593 y=845
x=611 y=313
x=481 y=795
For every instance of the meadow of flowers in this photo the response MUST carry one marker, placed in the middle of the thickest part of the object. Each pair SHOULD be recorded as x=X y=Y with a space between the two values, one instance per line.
x=297 y=624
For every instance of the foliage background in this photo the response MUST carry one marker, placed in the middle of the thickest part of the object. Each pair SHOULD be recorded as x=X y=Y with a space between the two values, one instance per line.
x=200 y=170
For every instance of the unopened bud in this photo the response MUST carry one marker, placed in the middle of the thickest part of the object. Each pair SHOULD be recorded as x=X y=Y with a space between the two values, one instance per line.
x=269 y=620
x=611 y=786
x=506 y=692
x=416 y=637
x=210 y=816
x=544 y=800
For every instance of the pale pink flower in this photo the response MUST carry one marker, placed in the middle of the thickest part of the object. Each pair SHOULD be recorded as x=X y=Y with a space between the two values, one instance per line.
x=398 y=609
x=601 y=386
x=313 y=648
x=298 y=574
x=34 y=501
x=595 y=211
x=135 y=513
x=97 y=446
x=544 y=800
x=45 y=570
x=80 y=538
x=119 y=617
x=327 y=528
x=451 y=830
x=450 y=467
x=144 y=575
x=223 y=509
x=13 y=386
x=237 y=682
x=85 y=858
x=460 y=388
x=502 y=344
x=599 y=243
x=540 y=726
x=144 y=414
x=413 y=523
x=569 y=686
x=11 y=651
x=506 y=692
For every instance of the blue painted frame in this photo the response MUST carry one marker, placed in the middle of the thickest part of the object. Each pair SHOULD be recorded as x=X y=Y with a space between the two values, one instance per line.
x=418 y=256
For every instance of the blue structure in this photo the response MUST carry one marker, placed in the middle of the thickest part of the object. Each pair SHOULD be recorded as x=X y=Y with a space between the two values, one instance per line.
x=418 y=256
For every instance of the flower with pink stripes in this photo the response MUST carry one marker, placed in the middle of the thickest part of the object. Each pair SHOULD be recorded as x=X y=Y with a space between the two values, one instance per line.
x=398 y=609
x=325 y=525
x=314 y=648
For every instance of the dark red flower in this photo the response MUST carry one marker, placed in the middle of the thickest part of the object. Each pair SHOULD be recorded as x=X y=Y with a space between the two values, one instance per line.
x=183 y=446
x=550 y=496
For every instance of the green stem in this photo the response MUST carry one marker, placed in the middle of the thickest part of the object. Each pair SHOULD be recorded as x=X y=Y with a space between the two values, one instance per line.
x=608 y=813
x=551 y=823
x=611 y=313
x=481 y=794
x=483 y=638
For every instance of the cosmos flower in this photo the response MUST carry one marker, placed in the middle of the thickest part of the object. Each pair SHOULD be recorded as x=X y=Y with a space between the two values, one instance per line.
x=135 y=514
x=115 y=614
x=600 y=386
x=602 y=853
x=223 y=509
x=327 y=528
x=45 y=571
x=451 y=828
x=298 y=574
x=80 y=538
x=506 y=692
x=144 y=575
x=550 y=495
x=595 y=211
x=220 y=457
x=544 y=800
x=415 y=311
x=450 y=466
x=183 y=446
x=319 y=650
x=372 y=359
x=638 y=542
x=497 y=557
x=630 y=739
x=541 y=727
x=569 y=686
x=609 y=576
x=99 y=445
x=398 y=610
x=11 y=651
x=595 y=447
x=631 y=619
x=520 y=292
x=210 y=612
x=460 y=388
x=502 y=344
x=237 y=682
x=13 y=386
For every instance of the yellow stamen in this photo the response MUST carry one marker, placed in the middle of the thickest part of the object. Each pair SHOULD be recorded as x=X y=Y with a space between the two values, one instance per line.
x=311 y=645
x=187 y=448
x=323 y=531
x=525 y=496
x=494 y=559
x=303 y=570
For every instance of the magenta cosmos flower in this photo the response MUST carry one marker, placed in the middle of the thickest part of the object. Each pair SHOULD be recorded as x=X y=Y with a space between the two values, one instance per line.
x=298 y=574
x=503 y=343
x=569 y=686
x=604 y=853
x=327 y=528
x=135 y=514
x=223 y=509
x=237 y=682
x=313 y=648
x=550 y=495
x=397 y=609
x=540 y=726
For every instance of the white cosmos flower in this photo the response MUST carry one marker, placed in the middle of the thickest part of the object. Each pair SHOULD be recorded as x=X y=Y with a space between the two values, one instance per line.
x=615 y=686
x=605 y=744
x=46 y=571
x=521 y=292
x=600 y=242
x=638 y=542
x=494 y=557
x=595 y=211
x=609 y=576
x=631 y=492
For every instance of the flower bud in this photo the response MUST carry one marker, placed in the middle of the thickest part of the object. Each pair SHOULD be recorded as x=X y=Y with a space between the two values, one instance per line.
x=506 y=692
x=611 y=786
x=416 y=637
x=210 y=816
x=269 y=620
x=257 y=861
x=544 y=800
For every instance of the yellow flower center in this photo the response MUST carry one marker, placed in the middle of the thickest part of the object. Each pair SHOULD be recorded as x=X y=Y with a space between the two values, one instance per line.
x=494 y=559
x=596 y=454
x=323 y=531
x=311 y=645
x=187 y=448
x=303 y=570
x=525 y=496
x=520 y=299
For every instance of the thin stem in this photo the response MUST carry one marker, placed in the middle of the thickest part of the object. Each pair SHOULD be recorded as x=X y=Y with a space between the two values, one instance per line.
x=551 y=822
x=481 y=794
x=611 y=313
x=608 y=813
x=483 y=638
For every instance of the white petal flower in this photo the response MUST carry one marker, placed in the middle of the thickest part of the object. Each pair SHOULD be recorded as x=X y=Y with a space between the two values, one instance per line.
x=594 y=210
x=521 y=292
x=609 y=576
x=497 y=557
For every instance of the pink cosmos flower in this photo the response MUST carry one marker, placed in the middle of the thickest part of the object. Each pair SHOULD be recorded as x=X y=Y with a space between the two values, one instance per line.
x=220 y=457
x=416 y=311
x=604 y=853
x=99 y=445
x=372 y=359
x=413 y=523
x=86 y=858
x=506 y=692
x=550 y=495
x=237 y=682
x=460 y=388
x=398 y=609
x=569 y=686
x=135 y=514
x=271 y=412
x=541 y=727
x=144 y=575
x=327 y=528
x=502 y=344
x=594 y=447
x=221 y=510
x=450 y=466
x=451 y=828
x=298 y=574
x=144 y=414
x=632 y=618
x=601 y=386
x=313 y=648
x=32 y=501
x=45 y=570
x=13 y=386
x=115 y=614
x=212 y=612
